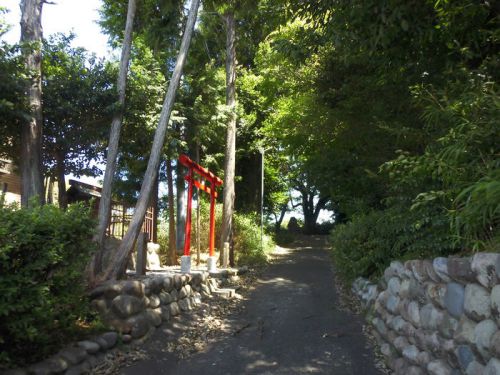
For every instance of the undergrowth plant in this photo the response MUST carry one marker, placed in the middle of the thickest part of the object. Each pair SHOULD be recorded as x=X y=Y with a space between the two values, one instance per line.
x=43 y=254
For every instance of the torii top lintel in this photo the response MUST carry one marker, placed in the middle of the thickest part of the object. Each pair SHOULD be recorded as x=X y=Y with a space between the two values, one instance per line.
x=203 y=172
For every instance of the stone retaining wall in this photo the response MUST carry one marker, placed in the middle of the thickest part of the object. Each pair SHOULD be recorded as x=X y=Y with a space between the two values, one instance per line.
x=437 y=317
x=131 y=309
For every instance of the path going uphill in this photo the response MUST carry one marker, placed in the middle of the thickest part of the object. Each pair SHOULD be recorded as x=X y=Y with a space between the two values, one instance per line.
x=290 y=323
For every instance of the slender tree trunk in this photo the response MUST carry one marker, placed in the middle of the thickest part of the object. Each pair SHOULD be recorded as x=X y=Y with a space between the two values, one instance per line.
x=61 y=182
x=198 y=212
x=154 y=205
x=172 y=251
x=230 y=159
x=118 y=265
x=114 y=138
x=50 y=189
x=277 y=227
x=31 y=128
x=181 y=209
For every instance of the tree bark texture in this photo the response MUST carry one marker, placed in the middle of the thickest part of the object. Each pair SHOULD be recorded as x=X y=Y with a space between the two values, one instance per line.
x=172 y=251
x=114 y=138
x=31 y=128
x=310 y=210
x=117 y=267
x=230 y=159
x=181 y=209
x=198 y=213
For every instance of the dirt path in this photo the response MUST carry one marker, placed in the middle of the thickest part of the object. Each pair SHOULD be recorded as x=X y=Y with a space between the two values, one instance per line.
x=289 y=323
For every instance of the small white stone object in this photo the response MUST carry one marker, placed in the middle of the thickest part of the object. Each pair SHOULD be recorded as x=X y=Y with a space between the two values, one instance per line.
x=185 y=264
x=212 y=264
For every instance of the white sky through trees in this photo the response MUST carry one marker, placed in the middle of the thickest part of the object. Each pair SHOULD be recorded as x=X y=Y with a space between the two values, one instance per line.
x=79 y=16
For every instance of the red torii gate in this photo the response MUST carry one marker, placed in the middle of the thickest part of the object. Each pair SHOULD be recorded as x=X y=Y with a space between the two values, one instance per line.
x=214 y=182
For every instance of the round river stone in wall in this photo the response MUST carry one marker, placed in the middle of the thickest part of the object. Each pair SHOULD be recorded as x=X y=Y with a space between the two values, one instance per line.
x=435 y=293
x=483 y=264
x=413 y=311
x=477 y=302
x=411 y=354
x=438 y=367
x=165 y=298
x=125 y=305
x=404 y=289
x=454 y=299
x=133 y=288
x=464 y=355
x=140 y=325
x=429 y=269
x=495 y=344
x=464 y=333
x=492 y=368
x=448 y=326
x=475 y=368
x=380 y=326
x=419 y=272
x=392 y=304
x=441 y=268
x=394 y=285
x=495 y=303
x=482 y=336
x=168 y=283
x=430 y=317
x=397 y=268
x=460 y=270
x=174 y=309
x=154 y=301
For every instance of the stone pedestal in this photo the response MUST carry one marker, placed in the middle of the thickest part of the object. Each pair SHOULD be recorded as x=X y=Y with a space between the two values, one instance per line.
x=185 y=264
x=225 y=255
x=212 y=264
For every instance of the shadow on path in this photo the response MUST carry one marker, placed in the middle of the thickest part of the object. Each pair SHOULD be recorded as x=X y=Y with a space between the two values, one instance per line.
x=291 y=323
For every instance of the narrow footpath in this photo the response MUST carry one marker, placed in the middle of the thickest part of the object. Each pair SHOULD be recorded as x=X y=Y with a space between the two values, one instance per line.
x=290 y=323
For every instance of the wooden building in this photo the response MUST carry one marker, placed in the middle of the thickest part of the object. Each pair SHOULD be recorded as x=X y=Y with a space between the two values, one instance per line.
x=121 y=214
x=10 y=183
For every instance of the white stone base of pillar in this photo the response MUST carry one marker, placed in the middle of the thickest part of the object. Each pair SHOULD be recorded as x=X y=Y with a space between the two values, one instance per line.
x=185 y=264
x=212 y=264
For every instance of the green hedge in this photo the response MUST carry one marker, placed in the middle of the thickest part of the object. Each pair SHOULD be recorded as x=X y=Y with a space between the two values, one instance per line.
x=366 y=245
x=43 y=254
x=247 y=246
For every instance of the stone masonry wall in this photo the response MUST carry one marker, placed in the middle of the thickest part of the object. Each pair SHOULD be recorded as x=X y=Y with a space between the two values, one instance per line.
x=438 y=317
x=131 y=309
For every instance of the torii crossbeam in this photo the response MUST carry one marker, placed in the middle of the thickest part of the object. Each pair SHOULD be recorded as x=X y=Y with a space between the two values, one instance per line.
x=214 y=182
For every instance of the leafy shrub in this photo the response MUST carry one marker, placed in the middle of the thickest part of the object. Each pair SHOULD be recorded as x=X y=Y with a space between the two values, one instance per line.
x=366 y=245
x=43 y=253
x=247 y=240
x=247 y=246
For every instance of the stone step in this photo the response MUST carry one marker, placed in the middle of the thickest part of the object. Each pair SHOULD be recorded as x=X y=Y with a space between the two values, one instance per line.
x=225 y=293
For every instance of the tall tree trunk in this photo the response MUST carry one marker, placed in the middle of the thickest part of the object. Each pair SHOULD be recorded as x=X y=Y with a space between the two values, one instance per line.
x=279 y=220
x=31 y=128
x=311 y=211
x=118 y=266
x=154 y=205
x=50 y=190
x=198 y=212
x=114 y=138
x=172 y=251
x=61 y=182
x=181 y=209
x=230 y=159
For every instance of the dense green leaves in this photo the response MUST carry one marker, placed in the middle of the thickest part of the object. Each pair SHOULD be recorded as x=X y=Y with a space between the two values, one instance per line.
x=43 y=253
